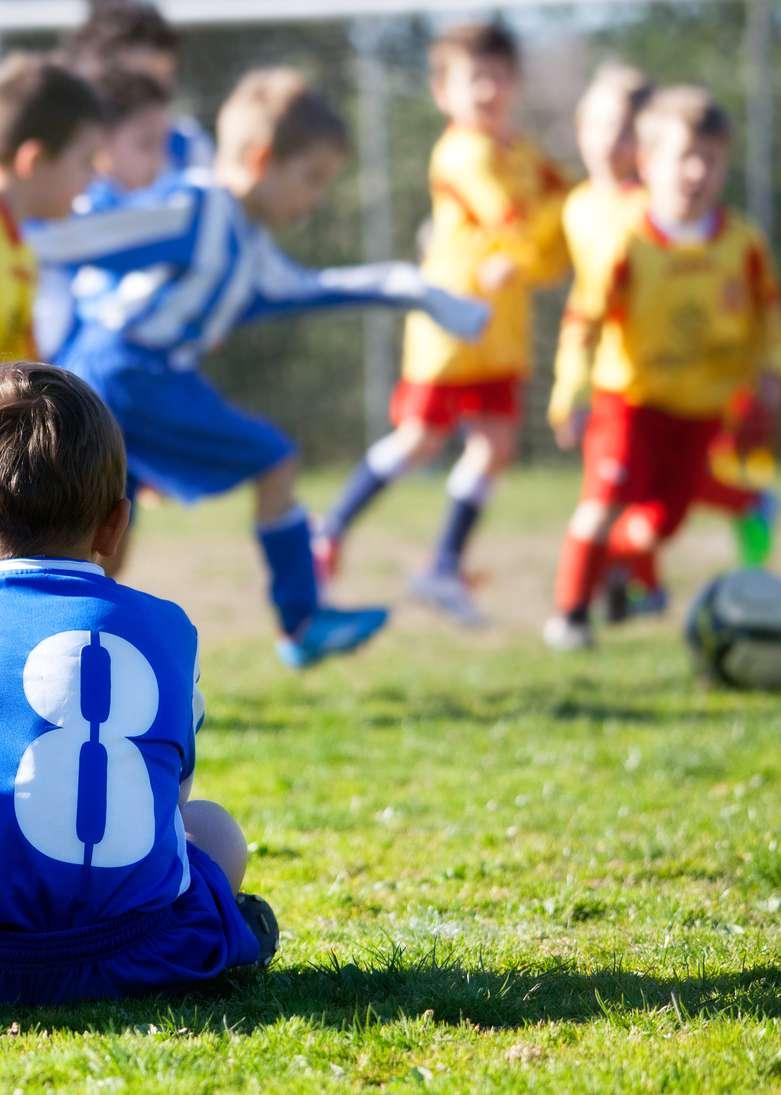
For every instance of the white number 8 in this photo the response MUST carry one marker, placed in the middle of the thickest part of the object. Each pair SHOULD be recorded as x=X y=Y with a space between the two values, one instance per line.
x=82 y=792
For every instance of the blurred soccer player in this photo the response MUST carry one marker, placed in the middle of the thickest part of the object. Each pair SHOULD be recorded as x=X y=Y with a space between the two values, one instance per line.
x=684 y=313
x=495 y=232
x=192 y=261
x=130 y=157
x=134 y=36
x=49 y=132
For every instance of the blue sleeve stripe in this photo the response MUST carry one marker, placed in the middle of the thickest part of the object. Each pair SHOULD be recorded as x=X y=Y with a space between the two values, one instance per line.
x=121 y=239
x=184 y=300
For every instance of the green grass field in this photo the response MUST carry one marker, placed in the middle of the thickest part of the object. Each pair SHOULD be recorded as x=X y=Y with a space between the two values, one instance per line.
x=496 y=870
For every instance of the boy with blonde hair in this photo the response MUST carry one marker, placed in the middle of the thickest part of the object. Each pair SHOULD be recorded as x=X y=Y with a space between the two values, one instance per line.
x=496 y=232
x=49 y=130
x=683 y=314
x=194 y=259
x=114 y=882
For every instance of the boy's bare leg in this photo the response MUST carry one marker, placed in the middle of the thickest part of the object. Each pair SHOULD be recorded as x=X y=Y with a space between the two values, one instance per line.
x=210 y=827
x=489 y=448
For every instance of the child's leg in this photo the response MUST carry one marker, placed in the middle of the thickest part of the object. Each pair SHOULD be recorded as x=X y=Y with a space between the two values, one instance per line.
x=411 y=444
x=311 y=631
x=489 y=449
x=214 y=831
x=283 y=532
x=583 y=556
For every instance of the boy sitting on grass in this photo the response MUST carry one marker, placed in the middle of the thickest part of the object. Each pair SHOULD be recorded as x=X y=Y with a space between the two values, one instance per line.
x=114 y=883
x=195 y=259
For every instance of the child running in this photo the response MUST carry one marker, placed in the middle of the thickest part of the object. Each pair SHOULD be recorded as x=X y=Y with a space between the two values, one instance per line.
x=196 y=260
x=495 y=232
x=684 y=313
x=114 y=882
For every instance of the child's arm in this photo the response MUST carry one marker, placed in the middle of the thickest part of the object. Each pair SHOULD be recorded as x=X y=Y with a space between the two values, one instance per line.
x=146 y=231
x=281 y=285
x=594 y=294
x=757 y=420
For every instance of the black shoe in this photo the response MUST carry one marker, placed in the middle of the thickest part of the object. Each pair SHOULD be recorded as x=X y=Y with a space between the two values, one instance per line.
x=262 y=923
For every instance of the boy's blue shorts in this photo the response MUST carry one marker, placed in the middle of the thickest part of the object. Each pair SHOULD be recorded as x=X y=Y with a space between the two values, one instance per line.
x=182 y=437
x=193 y=940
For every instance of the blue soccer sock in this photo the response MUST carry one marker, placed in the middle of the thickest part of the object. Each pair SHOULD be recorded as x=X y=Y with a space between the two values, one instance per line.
x=362 y=487
x=460 y=521
x=286 y=544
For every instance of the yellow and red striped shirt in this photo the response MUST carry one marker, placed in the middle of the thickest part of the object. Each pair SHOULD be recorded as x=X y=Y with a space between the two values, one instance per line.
x=679 y=326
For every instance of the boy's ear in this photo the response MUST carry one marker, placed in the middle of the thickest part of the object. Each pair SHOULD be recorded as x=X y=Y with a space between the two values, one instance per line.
x=108 y=535
x=27 y=158
x=256 y=159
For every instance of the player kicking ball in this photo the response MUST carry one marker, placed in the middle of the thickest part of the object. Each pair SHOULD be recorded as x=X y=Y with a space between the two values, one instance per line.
x=193 y=259
x=114 y=882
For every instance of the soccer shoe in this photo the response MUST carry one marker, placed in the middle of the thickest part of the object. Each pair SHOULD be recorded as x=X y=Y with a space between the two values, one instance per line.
x=449 y=594
x=648 y=602
x=327 y=553
x=565 y=635
x=330 y=631
x=261 y=921
x=755 y=530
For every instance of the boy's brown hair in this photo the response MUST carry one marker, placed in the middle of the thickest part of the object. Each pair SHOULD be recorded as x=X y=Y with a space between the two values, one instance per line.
x=474 y=40
x=117 y=25
x=633 y=86
x=277 y=107
x=125 y=94
x=62 y=460
x=42 y=101
x=688 y=104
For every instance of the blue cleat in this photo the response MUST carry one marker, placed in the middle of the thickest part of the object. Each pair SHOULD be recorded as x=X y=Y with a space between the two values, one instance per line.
x=330 y=631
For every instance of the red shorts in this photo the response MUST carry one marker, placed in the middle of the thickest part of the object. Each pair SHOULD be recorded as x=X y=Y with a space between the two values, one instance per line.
x=444 y=405
x=644 y=456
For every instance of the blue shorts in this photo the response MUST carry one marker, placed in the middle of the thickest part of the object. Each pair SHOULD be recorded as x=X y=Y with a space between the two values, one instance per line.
x=182 y=437
x=193 y=940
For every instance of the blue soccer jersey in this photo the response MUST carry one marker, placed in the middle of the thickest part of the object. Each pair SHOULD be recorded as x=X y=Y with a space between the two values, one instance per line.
x=190 y=267
x=99 y=709
x=189 y=145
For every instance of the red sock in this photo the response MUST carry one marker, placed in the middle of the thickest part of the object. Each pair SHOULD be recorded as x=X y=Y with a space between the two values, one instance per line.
x=639 y=564
x=580 y=568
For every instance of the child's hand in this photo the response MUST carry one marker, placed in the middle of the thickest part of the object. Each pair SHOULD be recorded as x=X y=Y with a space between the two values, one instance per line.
x=495 y=272
x=569 y=433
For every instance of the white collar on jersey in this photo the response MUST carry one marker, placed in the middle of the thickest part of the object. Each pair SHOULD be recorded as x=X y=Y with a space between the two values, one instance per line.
x=41 y=562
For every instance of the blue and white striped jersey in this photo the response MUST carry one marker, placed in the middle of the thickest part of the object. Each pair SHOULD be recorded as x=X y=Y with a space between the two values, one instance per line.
x=63 y=293
x=189 y=145
x=189 y=267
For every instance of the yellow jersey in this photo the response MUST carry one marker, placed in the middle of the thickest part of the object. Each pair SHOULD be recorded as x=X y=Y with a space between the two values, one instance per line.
x=17 y=289
x=680 y=326
x=488 y=198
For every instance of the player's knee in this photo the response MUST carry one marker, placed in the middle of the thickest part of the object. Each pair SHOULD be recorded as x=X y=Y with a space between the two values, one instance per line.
x=640 y=532
x=275 y=490
x=217 y=833
x=468 y=482
x=592 y=521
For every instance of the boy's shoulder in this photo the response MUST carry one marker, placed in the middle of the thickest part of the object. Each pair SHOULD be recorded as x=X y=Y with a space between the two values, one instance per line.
x=92 y=593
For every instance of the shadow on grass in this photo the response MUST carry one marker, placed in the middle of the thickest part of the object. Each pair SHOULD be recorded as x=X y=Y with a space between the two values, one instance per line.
x=391 y=986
